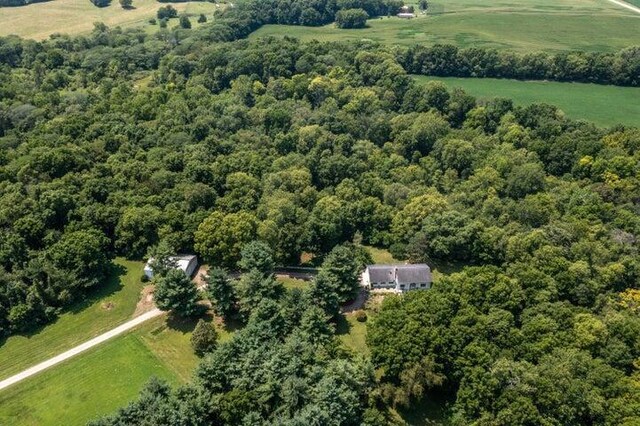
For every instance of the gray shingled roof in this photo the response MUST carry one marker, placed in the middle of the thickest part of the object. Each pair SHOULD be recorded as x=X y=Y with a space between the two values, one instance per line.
x=414 y=274
x=381 y=273
x=407 y=274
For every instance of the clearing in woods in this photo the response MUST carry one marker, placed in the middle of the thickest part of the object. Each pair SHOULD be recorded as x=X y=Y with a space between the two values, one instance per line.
x=40 y=20
x=602 y=105
x=520 y=25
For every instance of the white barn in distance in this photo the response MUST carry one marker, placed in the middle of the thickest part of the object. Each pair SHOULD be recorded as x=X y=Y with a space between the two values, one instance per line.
x=186 y=263
x=398 y=278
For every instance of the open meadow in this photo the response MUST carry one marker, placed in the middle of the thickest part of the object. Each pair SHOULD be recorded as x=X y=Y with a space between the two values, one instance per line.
x=519 y=25
x=40 y=20
x=603 y=105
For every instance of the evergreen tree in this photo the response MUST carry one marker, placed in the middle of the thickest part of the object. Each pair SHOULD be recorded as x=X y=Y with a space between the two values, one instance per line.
x=175 y=292
x=204 y=338
x=221 y=293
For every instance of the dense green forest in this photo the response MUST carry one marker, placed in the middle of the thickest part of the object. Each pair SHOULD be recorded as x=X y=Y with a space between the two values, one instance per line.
x=117 y=141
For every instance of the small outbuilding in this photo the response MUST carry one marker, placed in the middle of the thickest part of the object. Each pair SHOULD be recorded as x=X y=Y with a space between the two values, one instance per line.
x=398 y=278
x=406 y=15
x=185 y=262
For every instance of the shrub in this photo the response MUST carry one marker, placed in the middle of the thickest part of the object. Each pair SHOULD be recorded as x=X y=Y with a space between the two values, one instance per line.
x=153 y=21
x=144 y=278
x=167 y=12
x=204 y=338
x=185 y=22
x=361 y=316
x=202 y=19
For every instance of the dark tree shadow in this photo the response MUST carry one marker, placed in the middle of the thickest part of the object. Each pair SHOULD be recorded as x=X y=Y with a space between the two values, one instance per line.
x=342 y=325
x=434 y=409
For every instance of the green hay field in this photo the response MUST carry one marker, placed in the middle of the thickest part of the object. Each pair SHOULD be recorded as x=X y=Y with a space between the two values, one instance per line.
x=519 y=25
x=40 y=20
x=603 y=105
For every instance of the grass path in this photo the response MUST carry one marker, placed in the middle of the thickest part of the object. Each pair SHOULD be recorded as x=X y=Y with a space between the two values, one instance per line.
x=114 y=304
x=603 y=105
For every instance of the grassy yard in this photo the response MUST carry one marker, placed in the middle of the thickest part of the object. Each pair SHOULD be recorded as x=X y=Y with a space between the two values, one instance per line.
x=521 y=25
x=105 y=378
x=291 y=283
x=382 y=256
x=353 y=333
x=92 y=384
x=40 y=20
x=603 y=105
x=112 y=305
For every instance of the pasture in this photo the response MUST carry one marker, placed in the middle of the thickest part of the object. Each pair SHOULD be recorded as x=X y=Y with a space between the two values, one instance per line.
x=602 y=105
x=40 y=20
x=519 y=25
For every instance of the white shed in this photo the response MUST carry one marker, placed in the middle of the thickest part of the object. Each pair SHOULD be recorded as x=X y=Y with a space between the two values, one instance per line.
x=186 y=263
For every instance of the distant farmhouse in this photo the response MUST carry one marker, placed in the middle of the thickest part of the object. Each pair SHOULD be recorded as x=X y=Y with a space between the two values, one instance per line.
x=398 y=278
x=186 y=263
x=406 y=12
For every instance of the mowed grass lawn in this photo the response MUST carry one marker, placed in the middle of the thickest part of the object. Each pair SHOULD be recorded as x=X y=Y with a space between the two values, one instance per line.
x=520 y=25
x=112 y=305
x=40 y=20
x=105 y=378
x=603 y=105
x=93 y=384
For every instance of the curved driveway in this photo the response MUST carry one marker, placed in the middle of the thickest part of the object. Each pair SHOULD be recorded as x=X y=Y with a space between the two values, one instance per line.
x=80 y=348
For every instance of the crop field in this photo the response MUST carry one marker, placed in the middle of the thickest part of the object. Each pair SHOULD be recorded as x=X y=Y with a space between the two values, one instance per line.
x=519 y=25
x=603 y=105
x=112 y=305
x=40 y=20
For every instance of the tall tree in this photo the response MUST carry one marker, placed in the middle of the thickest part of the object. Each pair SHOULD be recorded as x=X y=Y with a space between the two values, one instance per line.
x=176 y=293
x=221 y=293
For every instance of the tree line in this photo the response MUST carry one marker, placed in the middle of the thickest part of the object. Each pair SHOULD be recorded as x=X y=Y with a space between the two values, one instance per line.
x=620 y=68
x=15 y=3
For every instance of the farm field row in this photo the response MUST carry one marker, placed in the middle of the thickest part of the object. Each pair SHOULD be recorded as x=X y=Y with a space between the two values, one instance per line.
x=40 y=20
x=603 y=105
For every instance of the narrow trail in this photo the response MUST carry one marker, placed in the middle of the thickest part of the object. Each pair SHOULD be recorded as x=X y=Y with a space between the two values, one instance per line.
x=80 y=348
x=626 y=5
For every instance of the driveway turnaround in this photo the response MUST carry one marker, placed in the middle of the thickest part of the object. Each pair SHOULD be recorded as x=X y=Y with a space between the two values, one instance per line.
x=626 y=5
x=80 y=348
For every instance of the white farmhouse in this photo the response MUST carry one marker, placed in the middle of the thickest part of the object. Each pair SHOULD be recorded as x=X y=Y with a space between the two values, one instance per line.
x=399 y=278
x=186 y=263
